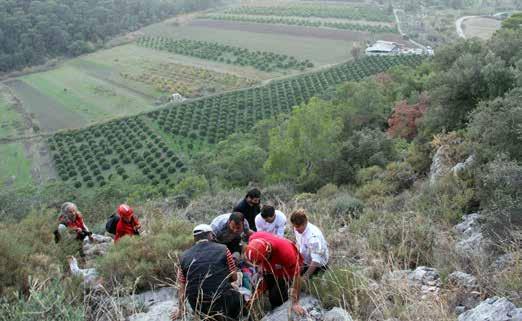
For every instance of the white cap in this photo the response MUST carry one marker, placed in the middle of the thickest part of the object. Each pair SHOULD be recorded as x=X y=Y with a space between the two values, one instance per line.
x=201 y=228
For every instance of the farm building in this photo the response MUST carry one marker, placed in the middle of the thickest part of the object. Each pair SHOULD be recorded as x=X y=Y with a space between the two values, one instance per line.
x=381 y=47
x=177 y=98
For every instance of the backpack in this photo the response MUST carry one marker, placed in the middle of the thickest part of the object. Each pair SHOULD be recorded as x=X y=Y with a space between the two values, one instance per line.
x=112 y=222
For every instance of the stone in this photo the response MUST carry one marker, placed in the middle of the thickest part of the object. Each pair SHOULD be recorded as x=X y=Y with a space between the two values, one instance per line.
x=466 y=290
x=337 y=314
x=493 y=309
x=463 y=280
x=472 y=242
x=311 y=305
x=423 y=278
x=157 y=312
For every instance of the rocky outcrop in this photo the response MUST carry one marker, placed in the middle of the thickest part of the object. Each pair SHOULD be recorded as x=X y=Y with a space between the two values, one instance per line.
x=471 y=241
x=98 y=247
x=423 y=278
x=337 y=314
x=460 y=168
x=493 y=309
x=441 y=164
x=314 y=312
x=157 y=305
x=466 y=290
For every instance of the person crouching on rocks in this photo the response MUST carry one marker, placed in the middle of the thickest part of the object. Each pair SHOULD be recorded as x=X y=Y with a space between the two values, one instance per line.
x=71 y=220
x=128 y=224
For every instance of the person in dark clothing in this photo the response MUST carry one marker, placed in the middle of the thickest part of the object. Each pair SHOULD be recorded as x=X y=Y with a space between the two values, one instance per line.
x=204 y=277
x=250 y=207
x=229 y=229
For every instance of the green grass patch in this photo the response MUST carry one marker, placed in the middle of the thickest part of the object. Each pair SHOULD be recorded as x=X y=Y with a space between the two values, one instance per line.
x=15 y=168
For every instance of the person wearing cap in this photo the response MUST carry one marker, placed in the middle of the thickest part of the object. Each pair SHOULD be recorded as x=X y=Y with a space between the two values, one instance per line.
x=249 y=206
x=204 y=277
x=271 y=220
x=128 y=223
x=229 y=229
x=280 y=263
x=311 y=243
x=71 y=219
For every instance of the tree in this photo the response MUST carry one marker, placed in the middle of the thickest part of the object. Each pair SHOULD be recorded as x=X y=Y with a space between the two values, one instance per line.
x=404 y=119
x=514 y=22
x=303 y=144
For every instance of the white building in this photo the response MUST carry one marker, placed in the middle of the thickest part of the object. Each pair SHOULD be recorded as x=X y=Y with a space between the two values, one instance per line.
x=381 y=47
x=177 y=98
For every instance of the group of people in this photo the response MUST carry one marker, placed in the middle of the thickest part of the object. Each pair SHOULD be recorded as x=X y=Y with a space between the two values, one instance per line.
x=250 y=236
x=247 y=245
x=70 y=222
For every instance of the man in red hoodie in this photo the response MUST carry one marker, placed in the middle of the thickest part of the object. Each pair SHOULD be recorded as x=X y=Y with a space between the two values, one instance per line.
x=280 y=262
x=128 y=223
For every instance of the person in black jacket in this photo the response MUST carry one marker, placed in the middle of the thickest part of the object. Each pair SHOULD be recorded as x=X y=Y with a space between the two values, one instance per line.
x=204 y=277
x=250 y=207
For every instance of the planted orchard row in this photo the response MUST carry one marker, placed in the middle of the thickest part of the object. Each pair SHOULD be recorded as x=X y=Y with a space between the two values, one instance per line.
x=317 y=10
x=91 y=156
x=188 y=81
x=305 y=23
x=214 y=118
x=262 y=60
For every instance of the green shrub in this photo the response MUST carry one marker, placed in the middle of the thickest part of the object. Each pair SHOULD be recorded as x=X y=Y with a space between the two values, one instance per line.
x=151 y=259
x=340 y=287
x=347 y=206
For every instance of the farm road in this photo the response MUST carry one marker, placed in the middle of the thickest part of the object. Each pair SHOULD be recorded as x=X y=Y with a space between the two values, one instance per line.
x=458 y=25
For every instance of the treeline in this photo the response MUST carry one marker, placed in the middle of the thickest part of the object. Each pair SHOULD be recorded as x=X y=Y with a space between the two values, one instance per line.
x=33 y=31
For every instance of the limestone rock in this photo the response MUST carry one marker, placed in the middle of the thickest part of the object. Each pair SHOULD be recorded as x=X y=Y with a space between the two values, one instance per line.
x=337 y=314
x=472 y=242
x=98 y=247
x=493 y=309
x=158 y=312
x=466 y=290
x=309 y=303
x=425 y=279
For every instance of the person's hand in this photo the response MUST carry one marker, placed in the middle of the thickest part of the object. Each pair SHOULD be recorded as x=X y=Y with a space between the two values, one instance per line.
x=176 y=314
x=298 y=309
x=78 y=230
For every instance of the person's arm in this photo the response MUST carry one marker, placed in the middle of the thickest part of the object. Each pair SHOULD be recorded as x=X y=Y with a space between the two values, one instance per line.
x=231 y=267
x=294 y=295
x=178 y=313
x=311 y=269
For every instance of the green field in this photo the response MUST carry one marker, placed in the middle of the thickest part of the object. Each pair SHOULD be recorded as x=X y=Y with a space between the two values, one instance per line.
x=319 y=51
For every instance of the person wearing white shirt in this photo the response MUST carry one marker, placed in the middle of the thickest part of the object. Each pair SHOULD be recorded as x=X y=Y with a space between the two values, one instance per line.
x=311 y=243
x=271 y=221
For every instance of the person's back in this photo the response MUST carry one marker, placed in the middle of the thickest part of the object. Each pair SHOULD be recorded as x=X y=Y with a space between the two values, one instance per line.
x=206 y=268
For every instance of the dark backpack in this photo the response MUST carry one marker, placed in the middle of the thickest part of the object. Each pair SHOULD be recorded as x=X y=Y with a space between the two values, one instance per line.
x=112 y=222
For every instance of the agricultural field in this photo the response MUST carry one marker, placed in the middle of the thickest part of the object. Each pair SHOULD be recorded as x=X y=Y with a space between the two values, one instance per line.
x=481 y=27
x=154 y=146
x=261 y=60
x=352 y=12
x=335 y=24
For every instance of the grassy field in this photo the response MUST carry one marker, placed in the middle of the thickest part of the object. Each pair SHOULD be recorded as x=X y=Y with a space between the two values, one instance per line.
x=318 y=50
x=480 y=27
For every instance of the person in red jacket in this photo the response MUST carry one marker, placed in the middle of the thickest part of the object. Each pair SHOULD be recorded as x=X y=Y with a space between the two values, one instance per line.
x=128 y=223
x=280 y=262
x=71 y=219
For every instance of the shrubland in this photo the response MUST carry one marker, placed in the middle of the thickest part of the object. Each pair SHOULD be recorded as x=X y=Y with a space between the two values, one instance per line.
x=360 y=161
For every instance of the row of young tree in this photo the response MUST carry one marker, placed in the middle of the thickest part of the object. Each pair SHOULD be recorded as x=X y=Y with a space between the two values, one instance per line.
x=33 y=31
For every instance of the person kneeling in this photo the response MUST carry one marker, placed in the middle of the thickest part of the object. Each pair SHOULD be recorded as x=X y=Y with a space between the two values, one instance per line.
x=204 y=277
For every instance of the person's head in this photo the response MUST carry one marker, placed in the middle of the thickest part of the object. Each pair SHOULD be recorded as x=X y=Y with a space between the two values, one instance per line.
x=69 y=209
x=258 y=251
x=253 y=197
x=236 y=222
x=299 y=220
x=125 y=212
x=268 y=213
x=203 y=232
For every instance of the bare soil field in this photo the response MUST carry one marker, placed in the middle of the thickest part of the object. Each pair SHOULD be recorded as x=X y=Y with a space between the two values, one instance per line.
x=297 y=31
x=481 y=27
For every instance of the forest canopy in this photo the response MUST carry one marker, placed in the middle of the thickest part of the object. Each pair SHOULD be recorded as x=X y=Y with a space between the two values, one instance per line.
x=33 y=31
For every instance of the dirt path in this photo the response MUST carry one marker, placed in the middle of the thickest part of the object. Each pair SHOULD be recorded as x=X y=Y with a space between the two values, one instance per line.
x=458 y=25
x=398 y=22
